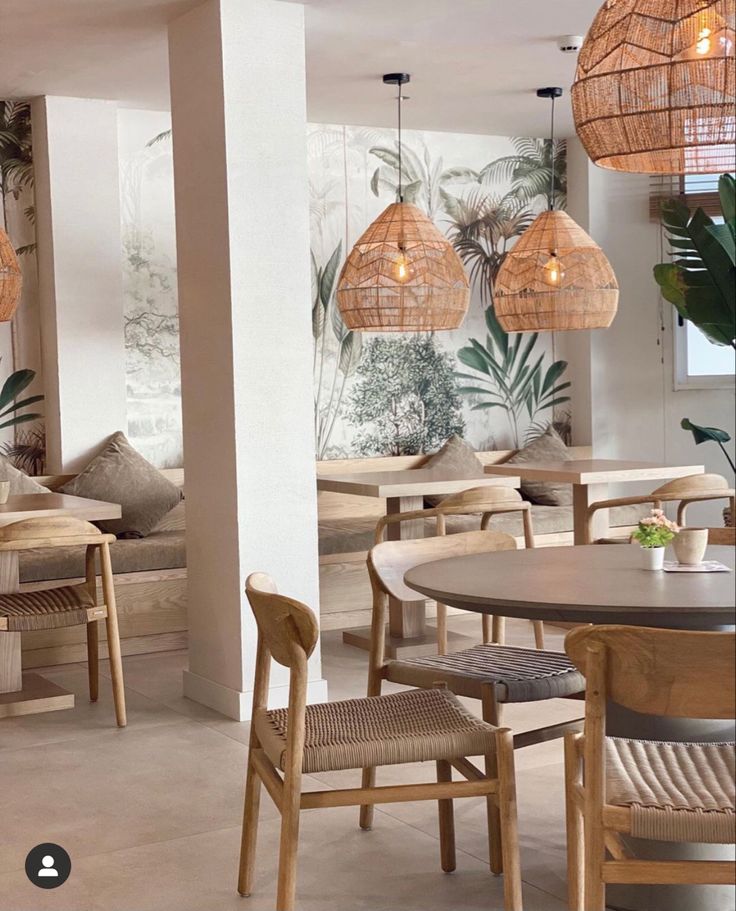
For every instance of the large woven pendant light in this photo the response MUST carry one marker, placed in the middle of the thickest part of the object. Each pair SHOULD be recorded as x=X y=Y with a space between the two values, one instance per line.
x=655 y=87
x=10 y=279
x=556 y=277
x=402 y=275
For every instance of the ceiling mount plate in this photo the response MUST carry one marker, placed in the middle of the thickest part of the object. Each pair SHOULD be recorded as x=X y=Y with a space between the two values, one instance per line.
x=398 y=78
x=551 y=91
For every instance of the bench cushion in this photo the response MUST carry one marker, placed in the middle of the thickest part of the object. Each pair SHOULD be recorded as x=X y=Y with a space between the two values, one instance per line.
x=160 y=550
x=344 y=536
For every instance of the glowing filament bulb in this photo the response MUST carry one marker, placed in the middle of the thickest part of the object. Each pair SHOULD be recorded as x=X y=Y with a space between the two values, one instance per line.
x=552 y=273
x=704 y=43
x=402 y=269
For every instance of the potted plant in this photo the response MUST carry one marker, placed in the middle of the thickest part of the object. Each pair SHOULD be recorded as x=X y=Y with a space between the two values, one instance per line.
x=654 y=534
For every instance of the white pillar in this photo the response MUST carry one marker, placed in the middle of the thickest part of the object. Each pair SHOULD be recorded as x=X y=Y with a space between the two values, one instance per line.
x=80 y=277
x=239 y=133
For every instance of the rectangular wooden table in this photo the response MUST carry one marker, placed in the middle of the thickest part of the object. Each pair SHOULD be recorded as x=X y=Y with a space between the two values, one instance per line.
x=404 y=491
x=590 y=479
x=25 y=694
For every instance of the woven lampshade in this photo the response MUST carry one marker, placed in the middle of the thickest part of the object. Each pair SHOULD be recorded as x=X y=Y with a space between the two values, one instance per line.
x=586 y=296
x=10 y=278
x=433 y=292
x=655 y=87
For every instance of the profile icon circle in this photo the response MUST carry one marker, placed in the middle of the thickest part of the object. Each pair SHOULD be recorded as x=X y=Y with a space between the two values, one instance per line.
x=48 y=866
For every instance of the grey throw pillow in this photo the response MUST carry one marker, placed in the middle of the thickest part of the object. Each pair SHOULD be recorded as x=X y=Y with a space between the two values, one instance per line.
x=20 y=482
x=120 y=474
x=549 y=447
x=454 y=458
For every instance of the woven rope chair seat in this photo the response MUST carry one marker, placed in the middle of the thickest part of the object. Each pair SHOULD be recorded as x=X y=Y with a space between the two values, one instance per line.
x=676 y=791
x=519 y=674
x=414 y=726
x=50 y=609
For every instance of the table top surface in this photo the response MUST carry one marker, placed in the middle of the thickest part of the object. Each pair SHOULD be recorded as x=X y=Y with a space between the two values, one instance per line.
x=46 y=505
x=594 y=583
x=410 y=482
x=595 y=471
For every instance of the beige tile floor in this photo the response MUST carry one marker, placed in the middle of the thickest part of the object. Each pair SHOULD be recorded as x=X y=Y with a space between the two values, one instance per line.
x=150 y=814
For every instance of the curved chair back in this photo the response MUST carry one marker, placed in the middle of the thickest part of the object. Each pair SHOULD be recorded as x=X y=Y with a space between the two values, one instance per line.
x=679 y=673
x=55 y=531
x=725 y=536
x=388 y=561
x=283 y=623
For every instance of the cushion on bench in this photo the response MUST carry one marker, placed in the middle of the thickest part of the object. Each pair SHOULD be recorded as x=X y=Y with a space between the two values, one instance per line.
x=345 y=536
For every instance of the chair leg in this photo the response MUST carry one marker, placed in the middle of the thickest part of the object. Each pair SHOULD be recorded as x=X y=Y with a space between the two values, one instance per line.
x=93 y=660
x=447 y=821
x=509 y=825
x=251 y=807
x=366 y=810
x=574 y=825
x=499 y=630
x=113 y=637
x=289 y=842
x=594 y=890
x=441 y=629
x=538 y=633
x=486 y=620
x=492 y=715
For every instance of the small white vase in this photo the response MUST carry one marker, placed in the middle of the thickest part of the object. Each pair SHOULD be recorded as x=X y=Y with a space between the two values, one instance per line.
x=652 y=557
x=690 y=545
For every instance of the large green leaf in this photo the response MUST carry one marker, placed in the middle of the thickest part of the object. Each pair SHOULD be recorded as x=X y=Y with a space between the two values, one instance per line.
x=14 y=385
x=24 y=403
x=705 y=434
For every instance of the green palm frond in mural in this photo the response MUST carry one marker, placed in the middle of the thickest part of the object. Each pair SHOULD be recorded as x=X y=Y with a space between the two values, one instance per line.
x=530 y=170
x=510 y=376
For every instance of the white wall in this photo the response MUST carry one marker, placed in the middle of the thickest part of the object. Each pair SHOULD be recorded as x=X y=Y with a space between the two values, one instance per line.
x=634 y=409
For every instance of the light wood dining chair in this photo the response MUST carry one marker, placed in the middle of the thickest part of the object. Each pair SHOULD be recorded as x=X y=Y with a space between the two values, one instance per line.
x=68 y=605
x=696 y=488
x=669 y=792
x=724 y=536
x=485 y=502
x=495 y=674
x=413 y=726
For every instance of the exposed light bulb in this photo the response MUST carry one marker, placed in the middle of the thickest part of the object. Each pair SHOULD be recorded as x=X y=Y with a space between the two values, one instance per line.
x=704 y=43
x=403 y=269
x=552 y=273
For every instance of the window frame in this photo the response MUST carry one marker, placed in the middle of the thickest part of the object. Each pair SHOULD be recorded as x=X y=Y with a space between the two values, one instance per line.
x=684 y=380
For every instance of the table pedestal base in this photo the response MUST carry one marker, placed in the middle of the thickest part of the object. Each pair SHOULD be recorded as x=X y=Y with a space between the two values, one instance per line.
x=37 y=695
x=413 y=647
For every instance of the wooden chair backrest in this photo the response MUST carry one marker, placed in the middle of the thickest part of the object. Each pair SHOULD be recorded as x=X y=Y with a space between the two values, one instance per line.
x=283 y=623
x=388 y=561
x=480 y=499
x=726 y=535
x=59 y=531
x=701 y=486
x=679 y=673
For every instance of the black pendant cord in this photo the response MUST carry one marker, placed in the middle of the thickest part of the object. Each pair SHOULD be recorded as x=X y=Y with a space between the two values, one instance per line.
x=552 y=166
x=401 y=188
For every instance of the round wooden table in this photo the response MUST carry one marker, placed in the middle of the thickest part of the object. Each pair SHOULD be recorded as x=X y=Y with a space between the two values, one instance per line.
x=604 y=584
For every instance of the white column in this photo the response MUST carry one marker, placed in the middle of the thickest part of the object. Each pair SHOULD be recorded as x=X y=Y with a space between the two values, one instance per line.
x=80 y=278
x=239 y=133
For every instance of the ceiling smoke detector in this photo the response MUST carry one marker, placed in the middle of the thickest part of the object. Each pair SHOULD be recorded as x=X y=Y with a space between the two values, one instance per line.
x=570 y=44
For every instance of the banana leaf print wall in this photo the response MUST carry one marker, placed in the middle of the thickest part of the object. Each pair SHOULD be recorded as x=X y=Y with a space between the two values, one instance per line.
x=383 y=395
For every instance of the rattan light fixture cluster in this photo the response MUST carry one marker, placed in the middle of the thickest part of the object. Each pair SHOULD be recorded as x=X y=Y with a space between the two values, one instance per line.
x=402 y=275
x=556 y=277
x=10 y=279
x=655 y=87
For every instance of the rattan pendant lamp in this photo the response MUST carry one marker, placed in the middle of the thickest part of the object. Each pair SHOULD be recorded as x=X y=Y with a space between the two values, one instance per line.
x=655 y=87
x=10 y=279
x=402 y=275
x=556 y=277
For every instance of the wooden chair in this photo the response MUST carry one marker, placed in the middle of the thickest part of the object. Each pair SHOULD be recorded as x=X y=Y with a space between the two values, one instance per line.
x=725 y=536
x=494 y=674
x=486 y=502
x=412 y=726
x=638 y=788
x=695 y=488
x=68 y=605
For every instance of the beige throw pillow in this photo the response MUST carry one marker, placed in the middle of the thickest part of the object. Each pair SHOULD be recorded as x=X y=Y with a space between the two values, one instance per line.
x=20 y=482
x=120 y=474
x=454 y=458
x=549 y=447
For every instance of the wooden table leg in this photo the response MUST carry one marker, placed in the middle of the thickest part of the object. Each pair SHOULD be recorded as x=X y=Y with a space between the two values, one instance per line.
x=582 y=496
x=22 y=694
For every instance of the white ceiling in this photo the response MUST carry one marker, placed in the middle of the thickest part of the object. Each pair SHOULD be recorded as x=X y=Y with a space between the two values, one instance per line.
x=475 y=63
